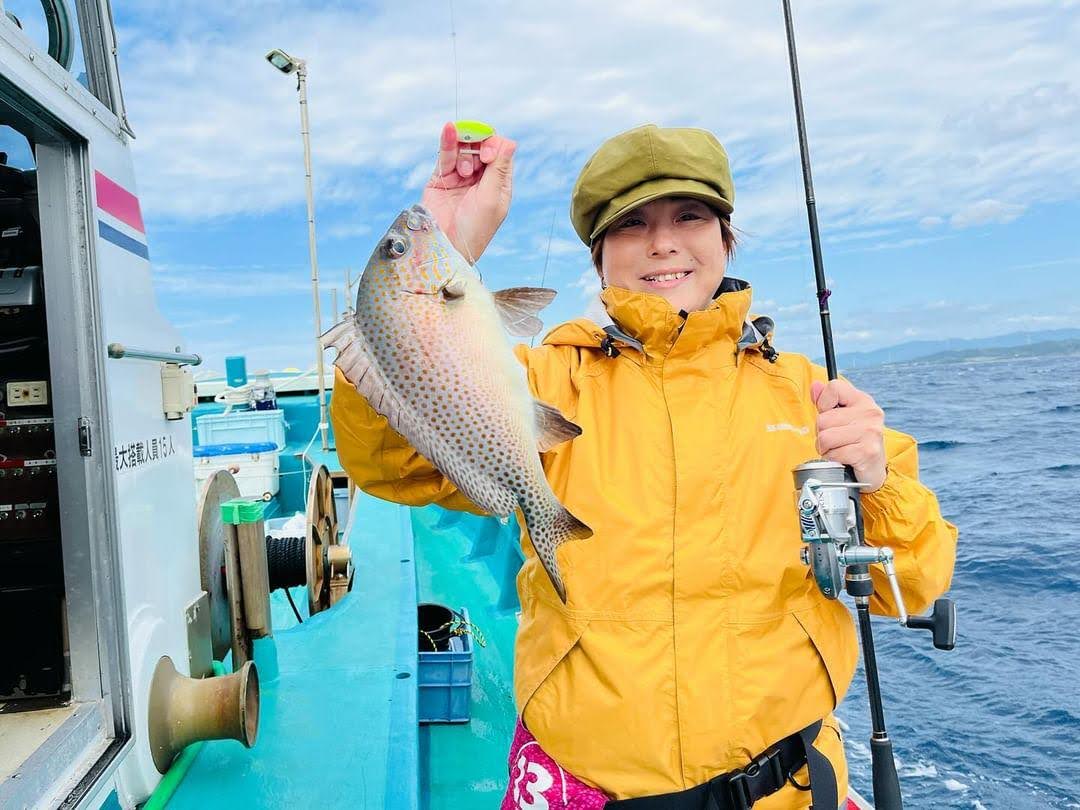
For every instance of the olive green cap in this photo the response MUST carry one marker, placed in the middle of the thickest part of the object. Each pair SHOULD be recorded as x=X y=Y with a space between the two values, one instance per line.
x=644 y=164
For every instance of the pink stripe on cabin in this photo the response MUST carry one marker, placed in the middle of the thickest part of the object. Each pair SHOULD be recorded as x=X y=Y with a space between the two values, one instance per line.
x=118 y=201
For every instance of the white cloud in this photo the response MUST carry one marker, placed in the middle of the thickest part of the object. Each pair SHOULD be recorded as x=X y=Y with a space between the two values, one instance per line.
x=558 y=247
x=345 y=230
x=1066 y=262
x=933 y=123
x=253 y=282
x=793 y=308
x=206 y=323
x=588 y=283
x=984 y=212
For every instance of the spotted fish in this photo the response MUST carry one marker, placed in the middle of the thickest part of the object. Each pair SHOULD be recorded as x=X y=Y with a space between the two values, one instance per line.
x=427 y=348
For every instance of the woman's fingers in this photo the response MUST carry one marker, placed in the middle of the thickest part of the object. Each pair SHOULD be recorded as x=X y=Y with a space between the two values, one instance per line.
x=836 y=437
x=448 y=150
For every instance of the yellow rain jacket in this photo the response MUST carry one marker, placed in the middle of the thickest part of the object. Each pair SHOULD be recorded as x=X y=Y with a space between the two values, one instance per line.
x=694 y=637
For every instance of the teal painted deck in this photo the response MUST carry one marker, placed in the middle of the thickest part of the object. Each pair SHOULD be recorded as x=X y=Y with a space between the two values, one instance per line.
x=471 y=562
x=338 y=725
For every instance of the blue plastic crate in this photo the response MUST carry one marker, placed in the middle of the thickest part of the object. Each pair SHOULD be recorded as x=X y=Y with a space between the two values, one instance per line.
x=242 y=427
x=445 y=681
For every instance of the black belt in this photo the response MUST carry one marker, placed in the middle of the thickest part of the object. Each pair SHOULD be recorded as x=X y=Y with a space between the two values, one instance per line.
x=764 y=776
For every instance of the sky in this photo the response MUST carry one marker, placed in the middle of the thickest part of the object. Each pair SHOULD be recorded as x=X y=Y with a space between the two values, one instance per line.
x=943 y=139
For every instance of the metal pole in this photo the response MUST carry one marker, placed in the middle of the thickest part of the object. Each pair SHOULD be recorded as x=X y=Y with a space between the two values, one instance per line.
x=301 y=86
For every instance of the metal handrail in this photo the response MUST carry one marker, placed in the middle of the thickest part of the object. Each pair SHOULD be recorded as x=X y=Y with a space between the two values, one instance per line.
x=119 y=350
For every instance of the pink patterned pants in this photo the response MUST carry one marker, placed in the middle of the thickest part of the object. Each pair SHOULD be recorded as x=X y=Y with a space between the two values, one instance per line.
x=538 y=783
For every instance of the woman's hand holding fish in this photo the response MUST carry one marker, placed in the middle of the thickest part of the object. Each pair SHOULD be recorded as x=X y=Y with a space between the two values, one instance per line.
x=851 y=430
x=469 y=195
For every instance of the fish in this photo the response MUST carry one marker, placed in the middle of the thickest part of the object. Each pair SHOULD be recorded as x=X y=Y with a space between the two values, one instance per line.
x=426 y=346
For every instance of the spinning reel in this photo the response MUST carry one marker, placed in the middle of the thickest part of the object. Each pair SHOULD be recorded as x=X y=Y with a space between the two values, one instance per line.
x=832 y=531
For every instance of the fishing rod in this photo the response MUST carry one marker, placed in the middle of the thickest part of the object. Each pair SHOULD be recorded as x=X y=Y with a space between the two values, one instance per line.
x=830 y=513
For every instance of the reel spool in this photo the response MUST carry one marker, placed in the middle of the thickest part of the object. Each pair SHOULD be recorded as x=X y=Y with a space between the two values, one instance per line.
x=328 y=562
x=218 y=489
x=316 y=558
x=184 y=710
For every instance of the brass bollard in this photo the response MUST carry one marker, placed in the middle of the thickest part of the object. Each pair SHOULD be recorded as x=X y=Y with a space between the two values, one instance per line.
x=184 y=710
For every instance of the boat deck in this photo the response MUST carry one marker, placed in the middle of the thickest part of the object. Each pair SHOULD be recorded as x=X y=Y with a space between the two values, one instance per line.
x=338 y=725
x=338 y=722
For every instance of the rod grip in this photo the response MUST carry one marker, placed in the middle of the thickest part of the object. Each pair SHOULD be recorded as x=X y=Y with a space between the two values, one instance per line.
x=886 y=782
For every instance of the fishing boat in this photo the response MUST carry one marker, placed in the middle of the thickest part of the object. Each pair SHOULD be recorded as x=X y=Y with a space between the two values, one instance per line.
x=198 y=608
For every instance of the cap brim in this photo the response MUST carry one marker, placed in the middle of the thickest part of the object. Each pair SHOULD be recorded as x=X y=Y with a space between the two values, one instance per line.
x=654 y=190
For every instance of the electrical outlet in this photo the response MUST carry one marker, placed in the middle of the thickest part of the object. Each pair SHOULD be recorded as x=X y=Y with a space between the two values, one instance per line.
x=27 y=393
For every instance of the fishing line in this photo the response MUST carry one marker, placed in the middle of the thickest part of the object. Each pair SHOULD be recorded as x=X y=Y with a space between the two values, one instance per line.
x=547 y=257
x=439 y=182
x=457 y=74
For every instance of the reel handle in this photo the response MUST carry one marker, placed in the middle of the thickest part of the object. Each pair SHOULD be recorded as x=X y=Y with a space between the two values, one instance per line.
x=941 y=622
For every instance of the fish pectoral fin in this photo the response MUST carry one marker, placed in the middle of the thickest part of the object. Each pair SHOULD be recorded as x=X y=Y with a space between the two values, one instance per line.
x=455 y=288
x=339 y=335
x=518 y=306
x=552 y=428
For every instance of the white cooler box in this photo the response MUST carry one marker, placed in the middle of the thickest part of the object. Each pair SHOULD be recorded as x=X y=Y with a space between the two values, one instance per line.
x=254 y=466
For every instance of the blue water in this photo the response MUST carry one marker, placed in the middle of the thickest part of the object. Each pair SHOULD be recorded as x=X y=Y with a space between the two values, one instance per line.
x=996 y=722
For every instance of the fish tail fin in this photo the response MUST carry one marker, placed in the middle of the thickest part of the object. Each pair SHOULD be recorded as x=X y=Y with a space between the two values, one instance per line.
x=547 y=533
x=567 y=527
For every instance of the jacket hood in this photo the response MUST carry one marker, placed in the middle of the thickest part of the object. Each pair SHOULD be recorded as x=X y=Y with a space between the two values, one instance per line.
x=620 y=318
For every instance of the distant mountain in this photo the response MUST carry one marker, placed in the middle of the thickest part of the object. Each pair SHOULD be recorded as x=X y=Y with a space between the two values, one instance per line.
x=1044 y=349
x=921 y=349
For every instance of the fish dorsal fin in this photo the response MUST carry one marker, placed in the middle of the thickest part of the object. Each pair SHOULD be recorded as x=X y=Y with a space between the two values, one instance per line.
x=358 y=366
x=552 y=428
x=518 y=306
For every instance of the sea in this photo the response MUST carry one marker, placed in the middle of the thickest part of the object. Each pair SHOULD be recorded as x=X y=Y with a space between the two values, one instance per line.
x=995 y=723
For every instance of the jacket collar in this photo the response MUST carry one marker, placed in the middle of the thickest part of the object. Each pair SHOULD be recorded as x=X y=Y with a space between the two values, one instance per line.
x=646 y=321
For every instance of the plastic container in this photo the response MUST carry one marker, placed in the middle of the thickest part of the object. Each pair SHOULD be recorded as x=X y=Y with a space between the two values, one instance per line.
x=263 y=396
x=445 y=674
x=242 y=427
x=254 y=466
x=236 y=371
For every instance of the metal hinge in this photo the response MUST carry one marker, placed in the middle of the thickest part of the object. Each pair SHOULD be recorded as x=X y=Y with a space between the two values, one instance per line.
x=86 y=446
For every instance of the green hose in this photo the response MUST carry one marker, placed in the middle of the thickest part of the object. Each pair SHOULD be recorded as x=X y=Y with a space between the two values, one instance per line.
x=178 y=770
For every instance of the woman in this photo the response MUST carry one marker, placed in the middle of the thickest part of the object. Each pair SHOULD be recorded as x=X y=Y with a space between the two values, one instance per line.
x=694 y=642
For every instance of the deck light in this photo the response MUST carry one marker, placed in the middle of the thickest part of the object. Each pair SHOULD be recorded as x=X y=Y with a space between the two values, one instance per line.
x=288 y=64
x=282 y=61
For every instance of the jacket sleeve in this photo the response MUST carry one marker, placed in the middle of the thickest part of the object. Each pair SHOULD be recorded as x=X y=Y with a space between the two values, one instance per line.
x=382 y=463
x=905 y=516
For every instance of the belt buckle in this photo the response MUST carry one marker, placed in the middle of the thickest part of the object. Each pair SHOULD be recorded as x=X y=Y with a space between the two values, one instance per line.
x=738 y=792
x=737 y=783
x=769 y=760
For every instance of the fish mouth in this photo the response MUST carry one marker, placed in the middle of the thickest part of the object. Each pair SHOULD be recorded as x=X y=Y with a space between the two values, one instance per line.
x=417 y=218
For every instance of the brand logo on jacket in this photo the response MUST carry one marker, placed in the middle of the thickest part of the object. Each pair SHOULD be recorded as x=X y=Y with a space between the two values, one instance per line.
x=801 y=430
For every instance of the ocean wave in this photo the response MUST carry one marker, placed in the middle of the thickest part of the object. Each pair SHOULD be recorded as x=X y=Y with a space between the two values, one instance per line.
x=940 y=444
x=1063 y=468
x=1065 y=409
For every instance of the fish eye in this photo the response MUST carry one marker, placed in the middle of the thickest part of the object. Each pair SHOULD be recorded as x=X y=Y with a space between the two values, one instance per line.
x=395 y=246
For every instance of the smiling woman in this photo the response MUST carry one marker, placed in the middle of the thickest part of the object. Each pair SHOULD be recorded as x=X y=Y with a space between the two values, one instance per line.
x=677 y=247
x=692 y=575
